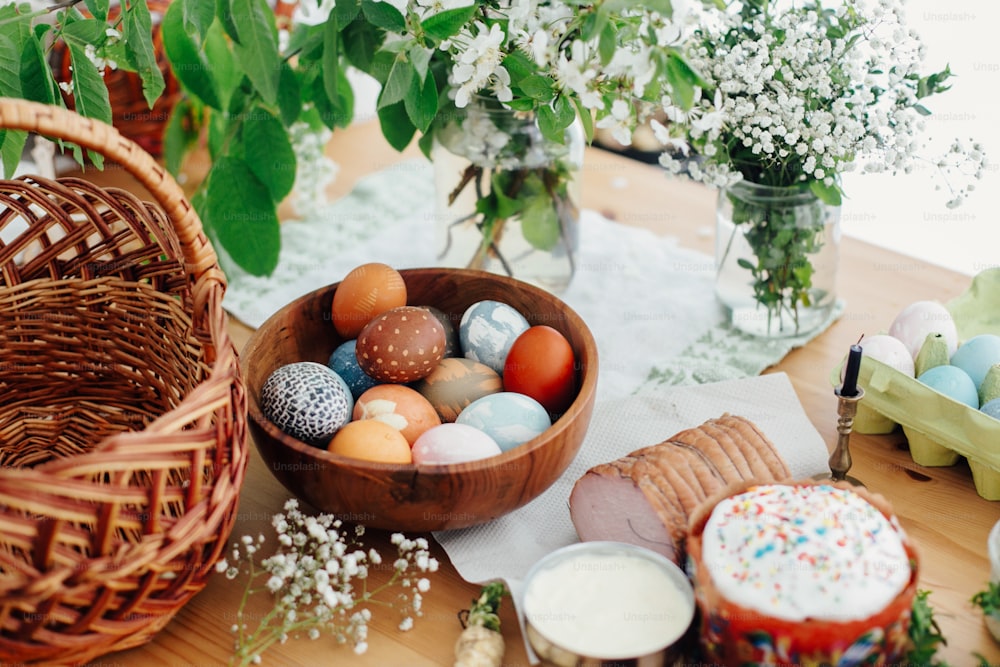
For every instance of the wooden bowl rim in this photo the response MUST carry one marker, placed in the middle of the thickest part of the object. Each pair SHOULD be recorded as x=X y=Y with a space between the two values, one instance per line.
x=580 y=404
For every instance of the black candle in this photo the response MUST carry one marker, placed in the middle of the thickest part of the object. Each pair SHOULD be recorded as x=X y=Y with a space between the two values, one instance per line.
x=850 y=387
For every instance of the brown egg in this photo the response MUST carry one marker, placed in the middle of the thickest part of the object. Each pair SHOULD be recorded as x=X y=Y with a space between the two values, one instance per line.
x=401 y=345
x=366 y=291
x=398 y=406
x=455 y=383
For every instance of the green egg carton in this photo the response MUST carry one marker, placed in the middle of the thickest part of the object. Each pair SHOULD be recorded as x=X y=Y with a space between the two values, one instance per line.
x=939 y=430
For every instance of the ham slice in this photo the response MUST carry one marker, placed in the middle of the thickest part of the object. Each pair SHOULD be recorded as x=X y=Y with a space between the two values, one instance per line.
x=646 y=497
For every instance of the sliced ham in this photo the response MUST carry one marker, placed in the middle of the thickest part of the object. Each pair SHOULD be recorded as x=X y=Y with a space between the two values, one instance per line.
x=646 y=497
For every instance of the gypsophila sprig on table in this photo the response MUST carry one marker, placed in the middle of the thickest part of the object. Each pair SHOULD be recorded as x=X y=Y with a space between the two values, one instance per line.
x=319 y=579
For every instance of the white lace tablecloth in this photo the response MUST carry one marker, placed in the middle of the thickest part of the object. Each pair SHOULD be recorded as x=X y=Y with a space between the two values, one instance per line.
x=652 y=310
x=649 y=302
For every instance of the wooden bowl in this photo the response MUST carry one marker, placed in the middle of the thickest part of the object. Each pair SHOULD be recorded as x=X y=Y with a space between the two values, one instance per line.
x=411 y=497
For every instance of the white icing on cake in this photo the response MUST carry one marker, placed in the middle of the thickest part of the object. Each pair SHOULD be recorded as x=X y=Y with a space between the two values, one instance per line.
x=809 y=551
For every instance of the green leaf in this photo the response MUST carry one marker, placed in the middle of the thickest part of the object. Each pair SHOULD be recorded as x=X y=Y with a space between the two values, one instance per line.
x=398 y=83
x=257 y=47
x=586 y=118
x=37 y=83
x=269 y=152
x=225 y=70
x=98 y=9
x=383 y=15
x=519 y=66
x=90 y=95
x=289 y=95
x=11 y=148
x=553 y=120
x=345 y=11
x=422 y=102
x=187 y=59
x=361 y=41
x=10 y=68
x=607 y=44
x=226 y=14
x=396 y=126
x=86 y=31
x=828 y=194
x=446 y=24
x=138 y=32
x=198 y=17
x=331 y=56
x=241 y=214
x=540 y=222
x=537 y=87
x=420 y=58
x=179 y=135
x=682 y=80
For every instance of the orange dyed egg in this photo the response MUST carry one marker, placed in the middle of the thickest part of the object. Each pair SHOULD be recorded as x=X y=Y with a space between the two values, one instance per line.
x=398 y=406
x=366 y=291
x=371 y=440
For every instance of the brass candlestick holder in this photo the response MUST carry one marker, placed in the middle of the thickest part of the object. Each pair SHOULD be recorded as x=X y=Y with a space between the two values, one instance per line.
x=840 y=459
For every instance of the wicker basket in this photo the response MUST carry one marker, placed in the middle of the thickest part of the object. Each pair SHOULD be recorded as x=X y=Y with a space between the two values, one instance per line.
x=123 y=440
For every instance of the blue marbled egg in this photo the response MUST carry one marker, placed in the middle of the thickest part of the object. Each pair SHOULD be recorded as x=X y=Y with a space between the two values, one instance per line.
x=487 y=331
x=307 y=401
x=344 y=363
x=511 y=419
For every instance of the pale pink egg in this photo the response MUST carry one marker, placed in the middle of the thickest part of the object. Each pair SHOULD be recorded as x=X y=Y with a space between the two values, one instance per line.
x=920 y=318
x=890 y=351
x=453 y=443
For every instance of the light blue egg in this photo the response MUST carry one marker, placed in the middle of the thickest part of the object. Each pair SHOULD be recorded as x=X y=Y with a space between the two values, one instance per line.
x=976 y=355
x=487 y=331
x=952 y=381
x=344 y=363
x=992 y=408
x=511 y=419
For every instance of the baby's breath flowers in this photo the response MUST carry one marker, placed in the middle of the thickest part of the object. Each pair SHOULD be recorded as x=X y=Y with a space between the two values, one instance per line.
x=794 y=94
x=318 y=577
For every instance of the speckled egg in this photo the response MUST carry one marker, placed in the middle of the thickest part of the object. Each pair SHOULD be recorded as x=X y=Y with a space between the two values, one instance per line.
x=487 y=331
x=307 y=401
x=401 y=345
x=453 y=346
x=455 y=383
x=344 y=363
x=366 y=291
x=398 y=406
x=453 y=443
x=511 y=419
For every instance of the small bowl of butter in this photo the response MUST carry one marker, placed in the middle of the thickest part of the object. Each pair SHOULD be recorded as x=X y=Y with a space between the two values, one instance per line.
x=606 y=602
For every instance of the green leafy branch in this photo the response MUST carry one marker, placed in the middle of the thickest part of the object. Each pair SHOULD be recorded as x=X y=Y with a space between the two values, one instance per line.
x=92 y=40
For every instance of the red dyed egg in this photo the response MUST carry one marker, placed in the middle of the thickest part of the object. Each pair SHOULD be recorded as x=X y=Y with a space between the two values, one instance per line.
x=541 y=365
x=401 y=345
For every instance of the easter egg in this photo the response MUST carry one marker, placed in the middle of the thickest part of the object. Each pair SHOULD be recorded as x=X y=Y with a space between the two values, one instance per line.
x=307 y=401
x=487 y=331
x=455 y=383
x=453 y=443
x=366 y=291
x=344 y=363
x=401 y=345
x=509 y=418
x=992 y=408
x=400 y=407
x=920 y=318
x=888 y=350
x=371 y=440
x=953 y=382
x=541 y=365
x=452 y=346
x=976 y=355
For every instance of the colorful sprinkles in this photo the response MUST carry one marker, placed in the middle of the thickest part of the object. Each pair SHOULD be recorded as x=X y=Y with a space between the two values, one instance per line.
x=805 y=551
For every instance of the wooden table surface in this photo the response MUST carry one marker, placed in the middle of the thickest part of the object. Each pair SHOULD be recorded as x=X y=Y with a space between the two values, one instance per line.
x=939 y=507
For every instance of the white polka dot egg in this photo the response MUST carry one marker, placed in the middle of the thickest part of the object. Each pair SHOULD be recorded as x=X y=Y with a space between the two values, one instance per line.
x=307 y=401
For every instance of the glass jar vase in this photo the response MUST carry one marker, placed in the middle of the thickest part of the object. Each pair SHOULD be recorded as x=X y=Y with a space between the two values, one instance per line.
x=777 y=250
x=508 y=198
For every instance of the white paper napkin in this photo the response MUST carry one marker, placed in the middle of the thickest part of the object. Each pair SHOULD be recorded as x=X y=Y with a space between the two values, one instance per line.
x=507 y=547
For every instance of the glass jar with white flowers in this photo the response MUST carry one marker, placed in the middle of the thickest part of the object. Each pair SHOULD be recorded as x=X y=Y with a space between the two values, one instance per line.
x=508 y=198
x=792 y=96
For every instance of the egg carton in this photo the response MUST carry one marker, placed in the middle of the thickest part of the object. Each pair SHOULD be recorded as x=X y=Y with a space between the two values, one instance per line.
x=939 y=429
